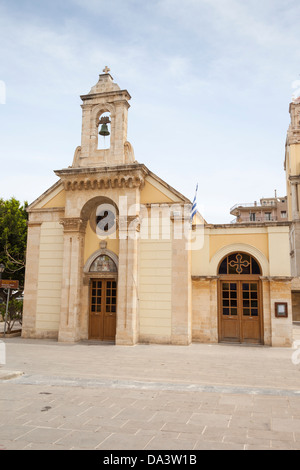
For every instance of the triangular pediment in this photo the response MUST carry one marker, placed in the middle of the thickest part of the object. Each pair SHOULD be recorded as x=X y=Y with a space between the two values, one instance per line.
x=54 y=197
x=153 y=190
x=157 y=191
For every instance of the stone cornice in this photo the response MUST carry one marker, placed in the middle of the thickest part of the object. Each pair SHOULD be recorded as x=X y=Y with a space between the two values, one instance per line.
x=103 y=170
x=263 y=278
x=293 y=134
x=106 y=94
x=47 y=209
x=293 y=137
x=34 y=223
x=204 y=278
x=252 y=225
x=294 y=179
x=119 y=176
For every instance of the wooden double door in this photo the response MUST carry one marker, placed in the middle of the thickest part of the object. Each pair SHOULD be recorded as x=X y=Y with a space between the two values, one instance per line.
x=240 y=310
x=103 y=309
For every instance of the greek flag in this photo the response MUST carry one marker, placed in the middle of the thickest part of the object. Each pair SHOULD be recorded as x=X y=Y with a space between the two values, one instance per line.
x=194 y=206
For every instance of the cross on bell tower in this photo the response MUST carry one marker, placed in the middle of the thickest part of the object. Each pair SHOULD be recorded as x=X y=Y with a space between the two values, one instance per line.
x=105 y=97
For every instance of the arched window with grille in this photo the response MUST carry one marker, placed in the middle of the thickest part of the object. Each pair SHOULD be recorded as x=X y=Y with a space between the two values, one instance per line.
x=239 y=263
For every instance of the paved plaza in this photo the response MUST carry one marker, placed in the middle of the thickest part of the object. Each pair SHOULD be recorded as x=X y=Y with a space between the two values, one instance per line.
x=92 y=395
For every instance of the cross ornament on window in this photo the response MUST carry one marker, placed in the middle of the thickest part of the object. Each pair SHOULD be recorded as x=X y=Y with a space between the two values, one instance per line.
x=239 y=263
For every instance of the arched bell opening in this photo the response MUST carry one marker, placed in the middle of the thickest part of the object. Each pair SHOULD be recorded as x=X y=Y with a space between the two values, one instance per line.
x=240 y=306
x=104 y=131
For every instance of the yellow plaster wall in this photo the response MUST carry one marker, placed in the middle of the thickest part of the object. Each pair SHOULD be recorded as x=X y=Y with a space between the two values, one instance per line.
x=257 y=240
x=50 y=277
x=92 y=243
x=271 y=241
x=57 y=201
x=292 y=169
x=279 y=249
x=294 y=159
x=155 y=289
x=151 y=195
x=200 y=254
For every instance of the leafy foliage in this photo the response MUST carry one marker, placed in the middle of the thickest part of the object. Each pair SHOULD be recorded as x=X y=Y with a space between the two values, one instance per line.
x=15 y=309
x=13 y=238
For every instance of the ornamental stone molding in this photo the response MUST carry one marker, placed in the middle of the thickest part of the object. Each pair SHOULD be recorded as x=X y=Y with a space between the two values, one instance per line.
x=94 y=256
x=236 y=247
x=73 y=224
x=293 y=137
x=132 y=222
x=93 y=179
x=293 y=134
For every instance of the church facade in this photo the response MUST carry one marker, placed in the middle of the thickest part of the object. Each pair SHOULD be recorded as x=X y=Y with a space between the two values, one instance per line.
x=113 y=254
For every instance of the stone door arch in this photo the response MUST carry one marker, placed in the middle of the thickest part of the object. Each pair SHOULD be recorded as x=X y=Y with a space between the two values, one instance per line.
x=101 y=268
x=240 y=306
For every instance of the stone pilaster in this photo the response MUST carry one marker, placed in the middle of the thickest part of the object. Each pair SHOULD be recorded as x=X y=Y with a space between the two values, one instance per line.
x=127 y=308
x=278 y=332
x=181 y=330
x=213 y=287
x=266 y=311
x=282 y=328
x=295 y=248
x=31 y=280
x=205 y=309
x=74 y=230
x=295 y=200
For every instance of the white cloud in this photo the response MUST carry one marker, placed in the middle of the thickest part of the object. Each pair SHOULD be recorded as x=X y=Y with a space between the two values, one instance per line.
x=210 y=82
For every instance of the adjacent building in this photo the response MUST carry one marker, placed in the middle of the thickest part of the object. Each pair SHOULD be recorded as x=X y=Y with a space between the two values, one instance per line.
x=271 y=209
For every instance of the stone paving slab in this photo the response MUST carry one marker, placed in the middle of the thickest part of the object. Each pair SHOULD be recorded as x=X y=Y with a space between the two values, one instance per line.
x=63 y=417
x=146 y=398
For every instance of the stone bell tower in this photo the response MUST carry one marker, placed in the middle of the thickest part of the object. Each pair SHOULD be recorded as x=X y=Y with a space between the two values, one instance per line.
x=98 y=176
x=105 y=100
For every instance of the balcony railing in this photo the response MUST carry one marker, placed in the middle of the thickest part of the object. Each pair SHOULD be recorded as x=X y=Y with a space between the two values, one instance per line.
x=243 y=204
x=248 y=220
x=254 y=204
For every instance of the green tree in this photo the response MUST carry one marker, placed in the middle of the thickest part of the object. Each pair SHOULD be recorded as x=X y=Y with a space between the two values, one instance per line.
x=13 y=239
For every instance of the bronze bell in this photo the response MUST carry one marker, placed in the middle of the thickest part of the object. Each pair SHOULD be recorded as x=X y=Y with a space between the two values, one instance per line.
x=104 y=130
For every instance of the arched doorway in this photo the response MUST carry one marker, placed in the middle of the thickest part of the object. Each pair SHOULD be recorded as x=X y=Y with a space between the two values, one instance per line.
x=101 y=268
x=103 y=298
x=240 y=308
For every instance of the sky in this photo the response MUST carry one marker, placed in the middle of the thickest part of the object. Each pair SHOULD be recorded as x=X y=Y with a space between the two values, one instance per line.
x=210 y=80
